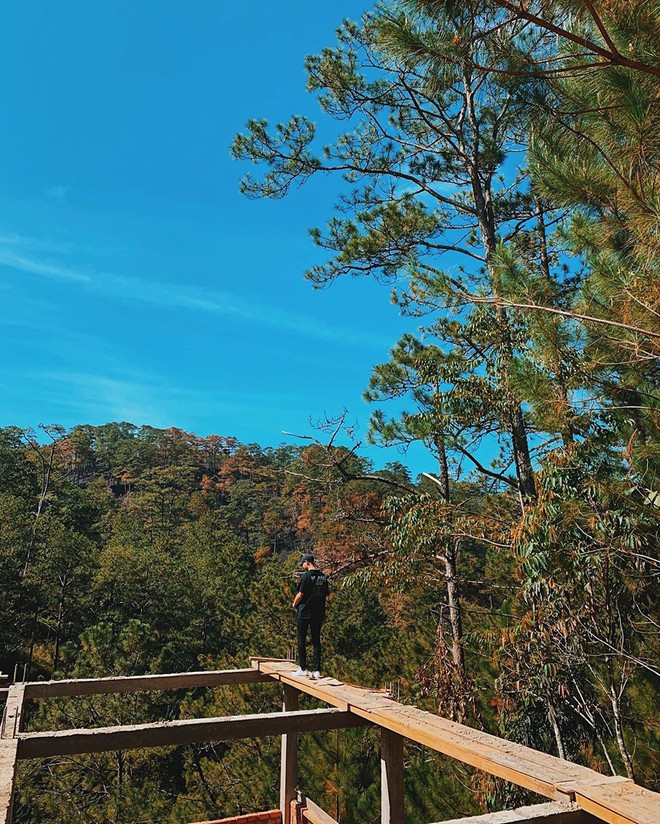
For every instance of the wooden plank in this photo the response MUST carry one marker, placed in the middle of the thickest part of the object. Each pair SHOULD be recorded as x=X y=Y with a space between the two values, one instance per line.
x=391 y=778
x=142 y=683
x=13 y=712
x=255 y=660
x=507 y=762
x=610 y=798
x=176 y=733
x=312 y=813
x=416 y=724
x=549 y=813
x=282 y=670
x=289 y=758
x=495 y=747
x=295 y=812
x=314 y=689
x=12 y=720
x=476 y=748
x=8 y=757
x=619 y=802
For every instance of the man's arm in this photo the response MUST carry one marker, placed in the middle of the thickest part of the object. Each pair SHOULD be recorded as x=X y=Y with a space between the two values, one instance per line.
x=302 y=584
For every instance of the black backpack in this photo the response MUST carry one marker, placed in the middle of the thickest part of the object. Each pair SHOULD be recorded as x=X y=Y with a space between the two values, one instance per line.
x=320 y=586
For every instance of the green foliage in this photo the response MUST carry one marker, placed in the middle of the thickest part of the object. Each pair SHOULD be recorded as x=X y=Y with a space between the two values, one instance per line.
x=519 y=592
x=538 y=286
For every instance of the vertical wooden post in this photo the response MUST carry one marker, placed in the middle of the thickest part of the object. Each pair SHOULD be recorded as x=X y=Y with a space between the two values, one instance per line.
x=296 y=816
x=11 y=726
x=391 y=778
x=289 y=764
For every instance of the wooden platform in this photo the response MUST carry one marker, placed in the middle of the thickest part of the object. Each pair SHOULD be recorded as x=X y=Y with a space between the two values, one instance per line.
x=580 y=795
x=610 y=798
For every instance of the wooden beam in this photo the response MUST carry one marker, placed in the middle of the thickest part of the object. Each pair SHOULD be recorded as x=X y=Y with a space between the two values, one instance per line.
x=142 y=683
x=619 y=802
x=176 y=733
x=610 y=798
x=12 y=717
x=289 y=758
x=8 y=756
x=312 y=813
x=391 y=778
x=12 y=720
x=550 y=813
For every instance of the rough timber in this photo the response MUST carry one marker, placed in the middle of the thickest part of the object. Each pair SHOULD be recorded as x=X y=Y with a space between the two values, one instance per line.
x=580 y=795
x=610 y=798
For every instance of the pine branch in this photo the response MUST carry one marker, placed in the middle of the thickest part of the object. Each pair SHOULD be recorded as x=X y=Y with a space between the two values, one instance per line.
x=612 y=55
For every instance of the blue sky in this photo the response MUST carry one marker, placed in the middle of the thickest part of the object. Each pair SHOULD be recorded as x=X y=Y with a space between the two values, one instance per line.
x=137 y=283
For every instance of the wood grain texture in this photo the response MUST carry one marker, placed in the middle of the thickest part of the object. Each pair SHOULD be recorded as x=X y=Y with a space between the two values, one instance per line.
x=391 y=778
x=613 y=799
x=312 y=813
x=12 y=719
x=176 y=733
x=549 y=813
x=141 y=683
x=289 y=758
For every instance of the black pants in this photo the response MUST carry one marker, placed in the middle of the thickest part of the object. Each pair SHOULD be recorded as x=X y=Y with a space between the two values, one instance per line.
x=314 y=624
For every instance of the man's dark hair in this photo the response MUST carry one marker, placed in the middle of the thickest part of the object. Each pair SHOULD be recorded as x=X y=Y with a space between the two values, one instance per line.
x=307 y=559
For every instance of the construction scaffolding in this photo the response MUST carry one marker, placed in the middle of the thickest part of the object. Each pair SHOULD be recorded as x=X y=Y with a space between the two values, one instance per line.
x=578 y=795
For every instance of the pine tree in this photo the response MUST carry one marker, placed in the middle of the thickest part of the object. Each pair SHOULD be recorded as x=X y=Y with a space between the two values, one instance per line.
x=429 y=186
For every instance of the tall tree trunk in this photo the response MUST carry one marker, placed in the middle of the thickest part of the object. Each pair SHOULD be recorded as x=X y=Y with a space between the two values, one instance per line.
x=455 y=617
x=443 y=466
x=46 y=473
x=121 y=767
x=603 y=747
x=584 y=711
x=559 y=739
x=485 y=215
x=521 y=456
x=58 y=629
x=204 y=782
x=33 y=635
x=450 y=557
x=618 y=728
x=567 y=430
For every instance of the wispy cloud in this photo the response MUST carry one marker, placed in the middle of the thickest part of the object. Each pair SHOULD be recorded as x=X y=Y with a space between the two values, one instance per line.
x=34 y=244
x=144 y=399
x=177 y=296
x=100 y=397
x=34 y=266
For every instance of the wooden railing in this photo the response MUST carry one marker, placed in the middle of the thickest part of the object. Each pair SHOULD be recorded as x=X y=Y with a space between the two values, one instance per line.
x=580 y=795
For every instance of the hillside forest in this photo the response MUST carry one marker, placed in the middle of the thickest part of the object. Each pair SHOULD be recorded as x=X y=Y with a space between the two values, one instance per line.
x=499 y=171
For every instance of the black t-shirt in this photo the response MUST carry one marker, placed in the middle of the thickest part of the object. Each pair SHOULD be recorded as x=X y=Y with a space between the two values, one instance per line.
x=311 y=606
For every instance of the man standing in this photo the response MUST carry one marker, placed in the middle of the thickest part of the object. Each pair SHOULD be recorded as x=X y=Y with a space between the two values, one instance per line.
x=309 y=604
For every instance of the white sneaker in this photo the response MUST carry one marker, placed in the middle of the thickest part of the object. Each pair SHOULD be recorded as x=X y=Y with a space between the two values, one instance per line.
x=300 y=673
x=316 y=674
